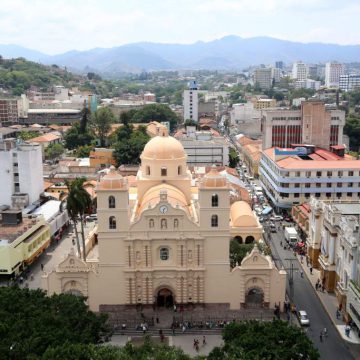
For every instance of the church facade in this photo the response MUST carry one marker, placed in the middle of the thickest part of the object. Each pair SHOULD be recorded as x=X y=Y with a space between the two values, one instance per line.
x=165 y=240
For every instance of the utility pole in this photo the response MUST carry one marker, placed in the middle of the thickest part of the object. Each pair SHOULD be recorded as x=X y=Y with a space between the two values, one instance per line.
x=291 y=283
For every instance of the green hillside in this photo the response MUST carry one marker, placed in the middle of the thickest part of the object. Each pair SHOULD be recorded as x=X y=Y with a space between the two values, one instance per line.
x=17 y=75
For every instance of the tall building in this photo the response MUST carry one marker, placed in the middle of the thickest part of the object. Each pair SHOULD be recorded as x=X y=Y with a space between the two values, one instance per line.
x=279 y=65
x=299 y=71
x=8 y=112
x=349 y=82
x=312 y=124
x=276 y=74
x=165 y=241
x=263 y=77
x=333 y=71
x=21 y=181
x=191 y=102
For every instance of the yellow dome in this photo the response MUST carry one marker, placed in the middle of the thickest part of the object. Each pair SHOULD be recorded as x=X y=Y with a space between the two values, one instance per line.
x=111 y=181
x=242 y=215
x=163 y=148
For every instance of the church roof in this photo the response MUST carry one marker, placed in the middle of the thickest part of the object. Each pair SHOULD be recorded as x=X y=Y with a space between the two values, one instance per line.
x=163 y=147
x=213 y=179
x=111 y=181
x=174 y=196
x=241 y=215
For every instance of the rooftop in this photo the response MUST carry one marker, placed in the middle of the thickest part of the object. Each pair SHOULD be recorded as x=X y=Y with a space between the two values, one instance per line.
x=54 y=111
x=45 y=138
x=9 y=233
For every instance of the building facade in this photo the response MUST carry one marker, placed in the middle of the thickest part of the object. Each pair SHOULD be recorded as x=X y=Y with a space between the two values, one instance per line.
x=21 y=181
x=349 y=82
x=8 y=112
x=299 y=71
x=333 y=71
x=191 y=102
x=291 y=176
x=166 y=241
x=312 y=124
x=263 y=77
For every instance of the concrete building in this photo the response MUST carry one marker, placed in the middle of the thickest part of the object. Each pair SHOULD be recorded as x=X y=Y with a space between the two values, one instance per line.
x=299 y=71
x=263 y=77
x=333 y=71
x=291 y=176
x=260 y=104
x=312 y=124
x=21 y=180
x=22 y=240
x=246 y=118
x=166 y=240
x=191 y=102
x=307 y=84
x=51 y=116
x=202 y=148
x=276 y=74
x=46 y=140
x=251 y=155
x=349 y=82
x=101 y=158
x=8 y=112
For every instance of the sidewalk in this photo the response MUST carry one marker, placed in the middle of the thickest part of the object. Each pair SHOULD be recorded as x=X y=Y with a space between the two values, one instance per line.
x=329 y=302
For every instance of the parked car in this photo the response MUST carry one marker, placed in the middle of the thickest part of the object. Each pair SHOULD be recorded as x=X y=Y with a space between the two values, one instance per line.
x=303 y=318
x=276 y=218
x=91 y=217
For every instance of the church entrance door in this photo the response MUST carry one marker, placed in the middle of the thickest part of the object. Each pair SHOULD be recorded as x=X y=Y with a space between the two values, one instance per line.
x=165 y=298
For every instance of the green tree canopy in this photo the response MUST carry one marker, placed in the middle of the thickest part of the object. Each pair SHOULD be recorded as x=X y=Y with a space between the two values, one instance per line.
x=101 y=123
x=255 y=340
x=53 y=151
x=352 y=130
x=31 y=322
x=83 y=151
x=27 y=135
x=233 y=157
x=75 y=138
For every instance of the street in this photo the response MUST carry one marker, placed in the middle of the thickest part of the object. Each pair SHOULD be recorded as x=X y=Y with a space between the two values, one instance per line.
x=305 y=298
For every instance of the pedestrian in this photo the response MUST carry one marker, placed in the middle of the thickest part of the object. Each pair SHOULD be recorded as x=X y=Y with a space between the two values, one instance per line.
x=73 y=241
x=183 y=328
x=157 y=320
x=325 y=332
x=307 y=261
x=281 y=243
x=301 y=273
x=302 y=259
x=322 y=288
x=337 y=314
x=174 y=307
x=194 y=343
x=311 y=269
x=204 y=340
x=42 y=267
x=321 y=336
x=347 y=330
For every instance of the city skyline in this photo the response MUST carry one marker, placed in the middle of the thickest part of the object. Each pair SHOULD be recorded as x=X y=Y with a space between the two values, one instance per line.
x=62 y=26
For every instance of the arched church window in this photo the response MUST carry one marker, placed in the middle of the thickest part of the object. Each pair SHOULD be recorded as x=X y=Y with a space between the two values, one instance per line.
x=112 y=222
x=151 y=223
x=214 y=200
x=163 y=224
x=163 y=171
x=249 y=239
x=148 y=170
x=214 y=221
x=176 y=223
x=179 y=170
x=164 y=253
x=111 y=202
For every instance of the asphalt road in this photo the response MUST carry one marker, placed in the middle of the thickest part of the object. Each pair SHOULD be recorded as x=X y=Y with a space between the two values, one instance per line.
x=305 y=298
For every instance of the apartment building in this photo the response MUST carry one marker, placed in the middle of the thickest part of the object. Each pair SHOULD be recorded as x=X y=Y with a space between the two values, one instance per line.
x=263 y=77
x=51 y=116
x=190 y=102
x=333 y=71
x=333 y=246
x=8 y=112
x=260 y=104
x=21 y=180
x=290 y=176
x=349 y=82
x=299 y=71
x=312 y=124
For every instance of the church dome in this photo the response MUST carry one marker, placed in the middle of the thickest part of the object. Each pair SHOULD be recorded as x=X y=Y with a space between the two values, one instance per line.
x=241 y=215
x=213 y=179
x=163 y=147
x=111 y=181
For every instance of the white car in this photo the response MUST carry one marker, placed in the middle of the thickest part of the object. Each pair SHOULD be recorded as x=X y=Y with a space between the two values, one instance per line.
x=303 y=318
x=91 y=217
x=276 y=218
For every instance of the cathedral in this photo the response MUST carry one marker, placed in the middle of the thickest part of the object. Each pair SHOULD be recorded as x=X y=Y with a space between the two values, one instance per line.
x=164 y=239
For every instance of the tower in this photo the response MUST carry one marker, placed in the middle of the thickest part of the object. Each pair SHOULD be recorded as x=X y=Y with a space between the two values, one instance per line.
x=190 y=102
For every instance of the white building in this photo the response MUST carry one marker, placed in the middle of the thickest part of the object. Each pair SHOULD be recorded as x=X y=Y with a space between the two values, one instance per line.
x=333 y=71
x=246 y=118
x=349 y=82
x=276 y=74
x=291 y=176
x=307 y=84
x=263 y=77
x=191 y=102
x=21 y=180
x=299 y=71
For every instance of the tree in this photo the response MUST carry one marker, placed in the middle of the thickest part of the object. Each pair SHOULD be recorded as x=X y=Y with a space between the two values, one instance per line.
x=83 y=151
x=239 y=251
x=27 y=135
x=31 y=322
x=101 y=122
x=156 y=112
x=352 y=130
x=74 y=138
x=78 y=202
x=85 y=114
x=233 y=157
x=246 y=340
x=53 y=151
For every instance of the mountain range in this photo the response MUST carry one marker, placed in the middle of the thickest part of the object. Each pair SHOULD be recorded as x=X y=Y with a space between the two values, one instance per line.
x=228 y=53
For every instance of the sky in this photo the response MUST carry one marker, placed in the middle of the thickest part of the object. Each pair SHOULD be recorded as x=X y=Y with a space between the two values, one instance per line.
x=56 y=26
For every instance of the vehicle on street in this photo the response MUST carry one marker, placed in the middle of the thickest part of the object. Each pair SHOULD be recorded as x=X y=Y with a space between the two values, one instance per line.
x=291 y=235
x=272 y=227
x=303 y=318
x=287 y=219
x=276 y=218
x=91 y=217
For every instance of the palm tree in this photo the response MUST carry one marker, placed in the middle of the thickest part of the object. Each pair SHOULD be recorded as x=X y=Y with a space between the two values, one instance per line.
x=78 y=201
